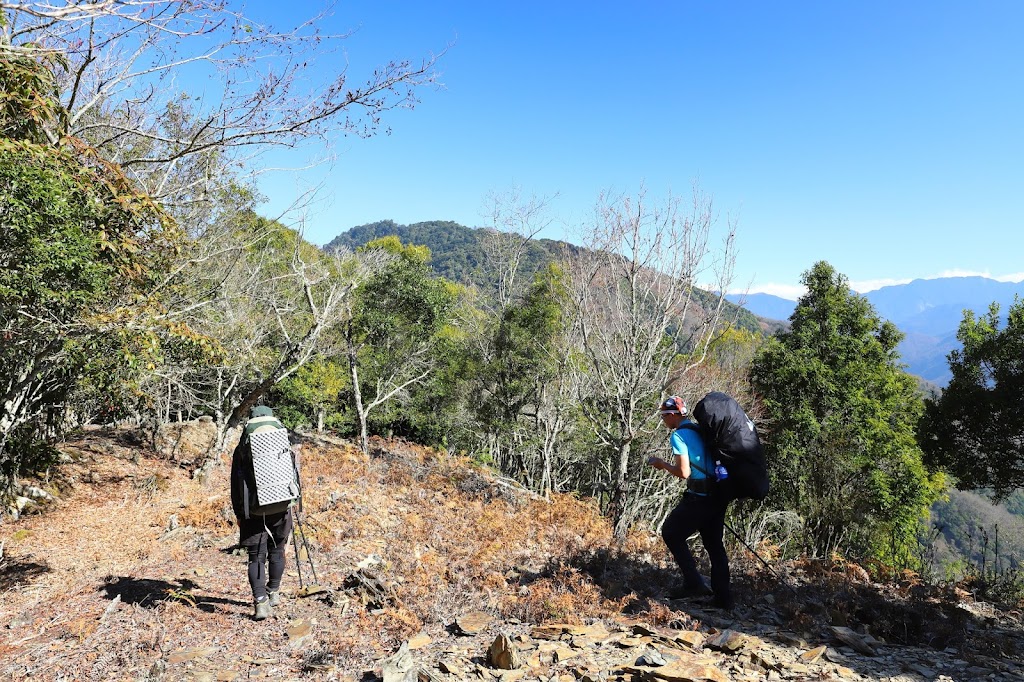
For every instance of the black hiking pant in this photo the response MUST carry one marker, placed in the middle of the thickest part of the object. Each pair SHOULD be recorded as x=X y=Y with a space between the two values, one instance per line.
x=266 y=539
x=704 y=514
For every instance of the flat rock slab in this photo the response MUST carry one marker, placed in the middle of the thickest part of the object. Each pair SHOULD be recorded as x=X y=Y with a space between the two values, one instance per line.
x=419 y=641
x=814 y=654
x=299 y=633
x=183 y=655
x=690 y=638
x=473 y=623
x=310 y=590
x=857 y=642
x=679 y=671
x=729 y=640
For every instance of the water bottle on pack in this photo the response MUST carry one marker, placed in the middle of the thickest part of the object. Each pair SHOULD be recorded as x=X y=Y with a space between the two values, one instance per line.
x=721 y=473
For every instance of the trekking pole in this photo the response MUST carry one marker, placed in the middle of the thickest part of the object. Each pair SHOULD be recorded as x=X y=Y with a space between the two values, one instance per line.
x=751 y=550
x=295 y=544
x=305 y=545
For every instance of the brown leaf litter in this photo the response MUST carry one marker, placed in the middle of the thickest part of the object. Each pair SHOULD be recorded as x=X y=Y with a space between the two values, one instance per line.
x=434 y=569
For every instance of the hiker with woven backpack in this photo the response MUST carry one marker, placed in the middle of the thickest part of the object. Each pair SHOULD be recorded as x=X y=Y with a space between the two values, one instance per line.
x=702 y=508
x=264 y=486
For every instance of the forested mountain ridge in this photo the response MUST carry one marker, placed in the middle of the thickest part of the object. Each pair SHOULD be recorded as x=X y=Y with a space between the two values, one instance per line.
x=968 y=529
x=458 y=253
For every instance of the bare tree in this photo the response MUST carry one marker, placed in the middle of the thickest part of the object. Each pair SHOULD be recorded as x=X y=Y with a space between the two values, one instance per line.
x=515 y=222
x=266 y=298
x=175 y=90
x=183 y=95
x=642 y=315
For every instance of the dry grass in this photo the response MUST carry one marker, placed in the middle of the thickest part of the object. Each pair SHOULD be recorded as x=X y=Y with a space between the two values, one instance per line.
x=103 y=573
x=100 y=588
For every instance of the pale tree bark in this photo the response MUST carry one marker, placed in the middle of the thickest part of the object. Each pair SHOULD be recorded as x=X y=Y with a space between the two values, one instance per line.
x=414 y=369
x=642 y=315
x=552 y=414
x=21 y=393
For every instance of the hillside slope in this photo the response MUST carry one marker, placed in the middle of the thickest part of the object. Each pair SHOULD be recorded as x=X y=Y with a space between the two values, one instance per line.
x=427 y=560
x=458 y=254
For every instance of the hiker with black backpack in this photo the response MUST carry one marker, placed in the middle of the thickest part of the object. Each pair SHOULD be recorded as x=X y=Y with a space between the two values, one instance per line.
x=702 y=508
x=264 y=486
x=721 y=458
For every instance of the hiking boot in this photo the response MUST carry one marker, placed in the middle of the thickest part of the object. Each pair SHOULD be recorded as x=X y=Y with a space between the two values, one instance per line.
x=274 y=597
x=263 y=609
x=690 y=592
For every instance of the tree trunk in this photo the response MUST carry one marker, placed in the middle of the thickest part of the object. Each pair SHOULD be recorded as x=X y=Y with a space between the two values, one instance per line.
x=620 y=492
x=357 y=402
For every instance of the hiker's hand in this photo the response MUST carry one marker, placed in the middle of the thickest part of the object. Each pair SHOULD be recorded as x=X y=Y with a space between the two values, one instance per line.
x=655 y=462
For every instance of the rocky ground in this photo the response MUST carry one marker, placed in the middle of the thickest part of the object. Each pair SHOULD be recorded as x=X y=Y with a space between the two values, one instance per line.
x=431 y=569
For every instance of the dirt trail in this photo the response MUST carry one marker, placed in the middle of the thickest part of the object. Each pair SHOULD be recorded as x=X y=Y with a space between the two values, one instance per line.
x=132 y=574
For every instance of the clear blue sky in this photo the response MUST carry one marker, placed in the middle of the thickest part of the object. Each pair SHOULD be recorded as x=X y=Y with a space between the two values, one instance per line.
x=886 y=138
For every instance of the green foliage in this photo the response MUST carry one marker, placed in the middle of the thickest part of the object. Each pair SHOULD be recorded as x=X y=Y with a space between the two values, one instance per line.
x=974 y=428
x=26 y=452
x=30 y=107
x=403 y=302
x=457 y=251
x=977 y=531
x=312 y=395
x=79 y=248
x=1014 y=503
x=440 y=411
x=979 y=545
x=71 y=237
x=841 y=414
x=398 y=316
x=523 y=361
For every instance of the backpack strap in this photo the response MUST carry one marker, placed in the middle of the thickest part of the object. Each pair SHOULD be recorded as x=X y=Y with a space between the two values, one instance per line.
x=247 y=458
x=694 y=427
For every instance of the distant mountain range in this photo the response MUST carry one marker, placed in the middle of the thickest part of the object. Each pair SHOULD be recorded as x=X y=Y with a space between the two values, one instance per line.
x=928 y=311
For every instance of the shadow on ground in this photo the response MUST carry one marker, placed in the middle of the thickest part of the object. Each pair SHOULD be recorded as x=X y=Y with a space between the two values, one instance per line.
x=15 y=571
x=149 y=593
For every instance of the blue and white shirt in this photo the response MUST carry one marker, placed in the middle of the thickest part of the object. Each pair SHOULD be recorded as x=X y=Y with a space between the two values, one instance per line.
x=687 y=442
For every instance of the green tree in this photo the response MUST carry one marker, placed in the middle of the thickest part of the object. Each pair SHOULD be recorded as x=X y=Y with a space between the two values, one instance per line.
x=397 y=314
x=314 y=391
x=79 y=247
x=441 y=412
x=975 y=429
x=841 y=417
x=528 y=387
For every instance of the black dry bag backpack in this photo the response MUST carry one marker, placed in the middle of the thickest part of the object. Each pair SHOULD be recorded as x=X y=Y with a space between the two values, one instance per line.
x=731 y=438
